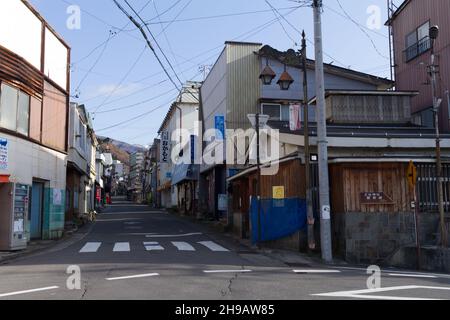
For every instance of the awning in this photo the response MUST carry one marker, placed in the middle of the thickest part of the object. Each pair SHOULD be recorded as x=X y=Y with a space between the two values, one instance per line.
x=183 y=172
x=4 y=178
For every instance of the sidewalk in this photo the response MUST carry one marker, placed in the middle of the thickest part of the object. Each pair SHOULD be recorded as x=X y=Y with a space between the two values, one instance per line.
x=40 y=246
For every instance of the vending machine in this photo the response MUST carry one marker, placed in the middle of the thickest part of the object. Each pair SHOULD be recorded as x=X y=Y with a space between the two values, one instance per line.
x=14 y=204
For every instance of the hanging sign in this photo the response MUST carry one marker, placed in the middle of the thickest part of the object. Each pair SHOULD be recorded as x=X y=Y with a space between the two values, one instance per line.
x=3 y=154
x=165 y=147
x=295 y=122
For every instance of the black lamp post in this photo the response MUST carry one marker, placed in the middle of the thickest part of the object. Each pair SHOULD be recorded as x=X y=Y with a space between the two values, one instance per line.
x=285 y=81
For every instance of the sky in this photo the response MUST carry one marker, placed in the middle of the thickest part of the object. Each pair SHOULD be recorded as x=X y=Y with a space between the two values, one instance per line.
x=118 y=78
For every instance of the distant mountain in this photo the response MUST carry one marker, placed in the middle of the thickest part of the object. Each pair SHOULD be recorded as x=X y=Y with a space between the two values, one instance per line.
x=120 y=150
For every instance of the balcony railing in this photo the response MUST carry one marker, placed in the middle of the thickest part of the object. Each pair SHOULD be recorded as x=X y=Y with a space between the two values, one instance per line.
x=417 y=49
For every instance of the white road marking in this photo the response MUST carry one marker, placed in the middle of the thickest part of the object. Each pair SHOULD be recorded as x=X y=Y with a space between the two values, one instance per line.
x=183 y=246
x=316 y=271
x=411 y=275
x=173 y=235
x=27 y=291
x=153 y=246
x=438 y=275
x=227 y=271
x=115 y=220
x=134 y=277
x=213 y=246
x=121 y=247
x=91 y=247
x=132 y=223
x=365 y=294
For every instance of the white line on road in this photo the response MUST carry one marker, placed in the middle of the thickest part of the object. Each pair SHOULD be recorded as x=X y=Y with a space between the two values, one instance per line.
x=316 y=271
x=438 y=275
x=91 y=247
x=213 y=246
x=411 y=275
x=27 y=291
x=153 y=246
x=173 y=235
x=121 y=247
x=134 y=277
x=365 y=294
x=227 y=271
x=183 y=246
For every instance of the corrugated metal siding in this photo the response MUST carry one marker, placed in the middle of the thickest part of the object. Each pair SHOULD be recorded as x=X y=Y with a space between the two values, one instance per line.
x=214 y=92
x=413 y=75
x=243 y=69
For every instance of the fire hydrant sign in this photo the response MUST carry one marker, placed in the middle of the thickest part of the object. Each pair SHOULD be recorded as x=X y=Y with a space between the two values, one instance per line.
x=3 y=154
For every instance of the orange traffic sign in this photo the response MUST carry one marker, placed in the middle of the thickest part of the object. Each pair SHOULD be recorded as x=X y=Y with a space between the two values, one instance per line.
x=411 y=174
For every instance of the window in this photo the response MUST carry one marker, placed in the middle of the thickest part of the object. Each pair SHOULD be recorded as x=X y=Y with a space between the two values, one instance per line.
x=14 y=109
x=276 y=112
x=23 y=113
x=81 y=136
x=424 y=118
x=418 y=42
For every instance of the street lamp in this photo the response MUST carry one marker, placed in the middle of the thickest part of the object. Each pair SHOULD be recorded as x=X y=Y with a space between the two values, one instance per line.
x=285 y=80
x=434 y=33
x=285 y=83
x=267 y=75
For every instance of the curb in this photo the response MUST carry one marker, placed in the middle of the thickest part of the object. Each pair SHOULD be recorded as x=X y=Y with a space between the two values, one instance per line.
x=43 y=248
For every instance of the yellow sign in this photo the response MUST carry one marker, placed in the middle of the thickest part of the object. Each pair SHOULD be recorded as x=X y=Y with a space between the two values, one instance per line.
x=278 y=192
x=411 y=174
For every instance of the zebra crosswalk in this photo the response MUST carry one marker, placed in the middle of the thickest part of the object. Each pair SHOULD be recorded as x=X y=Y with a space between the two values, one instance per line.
x=118 y=247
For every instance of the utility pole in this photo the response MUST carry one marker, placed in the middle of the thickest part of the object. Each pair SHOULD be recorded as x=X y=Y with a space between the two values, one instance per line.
x=322 y=143
x=258 y=159
x=309 y=208
x=434 y=32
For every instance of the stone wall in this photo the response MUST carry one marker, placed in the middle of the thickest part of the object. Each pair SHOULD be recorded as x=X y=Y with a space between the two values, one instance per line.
x=374 y=237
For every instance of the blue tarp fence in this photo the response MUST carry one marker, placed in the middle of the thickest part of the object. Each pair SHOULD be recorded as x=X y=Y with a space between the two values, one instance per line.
x=279 y=218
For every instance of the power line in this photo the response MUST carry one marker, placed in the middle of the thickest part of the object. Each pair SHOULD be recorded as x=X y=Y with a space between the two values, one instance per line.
x=156 y=42
x=242 y=36
x=137 y=103
x=281 y=24
x=95 y=63
x=147 y=40
x=220 y=16
x=362 y=30
x=300 y=32
x=165 y=34
x=136 y=117
x=121 y=81
x=159 y=47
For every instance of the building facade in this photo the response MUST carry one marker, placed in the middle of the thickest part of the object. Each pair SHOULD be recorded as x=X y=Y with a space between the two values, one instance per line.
x=178 y=174
x=411 y=42
x=233 y=90
x=34 y=109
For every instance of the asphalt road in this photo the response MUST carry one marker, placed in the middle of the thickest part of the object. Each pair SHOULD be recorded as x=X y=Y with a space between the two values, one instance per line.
x=134 y=252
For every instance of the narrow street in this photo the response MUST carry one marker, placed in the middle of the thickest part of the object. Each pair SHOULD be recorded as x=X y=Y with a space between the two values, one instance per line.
x=134 y=252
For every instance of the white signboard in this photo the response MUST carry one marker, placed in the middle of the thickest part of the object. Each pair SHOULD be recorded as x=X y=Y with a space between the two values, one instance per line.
x=223 y=202
x=3 y=154
x=165 y=147
x=57 y=197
